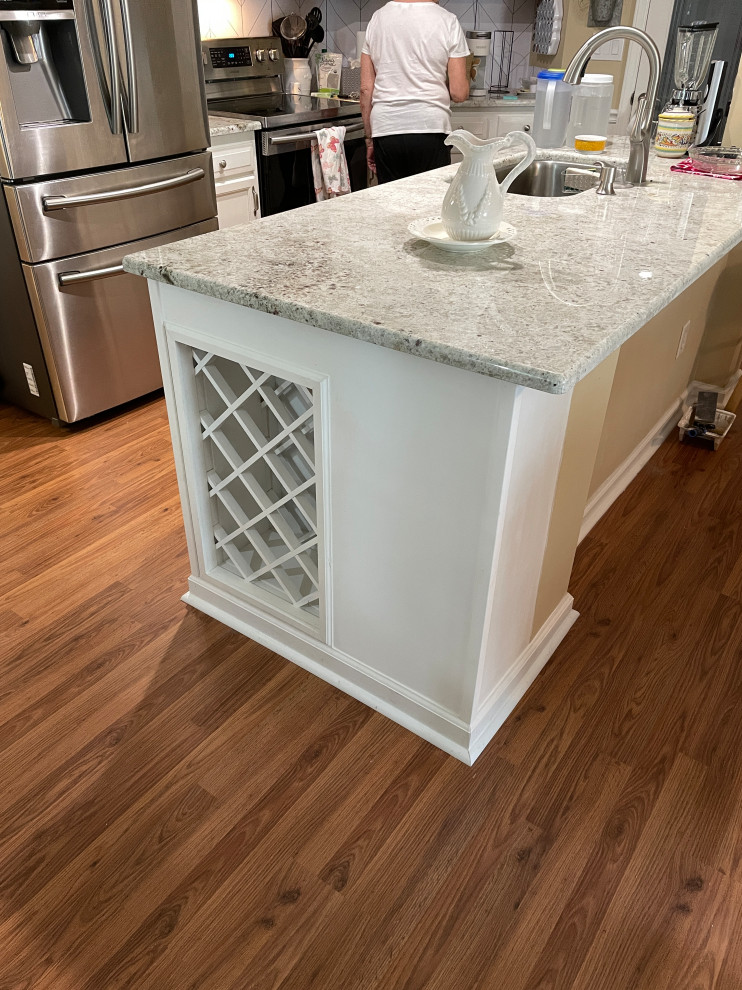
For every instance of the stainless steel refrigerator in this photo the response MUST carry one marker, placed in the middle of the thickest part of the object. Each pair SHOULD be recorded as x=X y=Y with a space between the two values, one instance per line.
x=103 y=138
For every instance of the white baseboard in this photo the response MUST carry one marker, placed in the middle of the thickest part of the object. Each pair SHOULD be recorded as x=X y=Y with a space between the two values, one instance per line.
x=616 y=483
x=420 y=715
x=604 y=497
x=415 y=712
x=506 y=694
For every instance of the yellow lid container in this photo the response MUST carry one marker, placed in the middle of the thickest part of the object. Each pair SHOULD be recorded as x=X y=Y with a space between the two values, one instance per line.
x=590 y=142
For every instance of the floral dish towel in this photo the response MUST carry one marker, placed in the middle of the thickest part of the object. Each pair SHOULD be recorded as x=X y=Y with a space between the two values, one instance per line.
x=329 y=165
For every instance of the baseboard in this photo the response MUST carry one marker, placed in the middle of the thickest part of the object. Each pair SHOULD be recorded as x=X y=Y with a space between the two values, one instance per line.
x=415 y=712
x=420 y=715
x=614 y=485
x=506 y=694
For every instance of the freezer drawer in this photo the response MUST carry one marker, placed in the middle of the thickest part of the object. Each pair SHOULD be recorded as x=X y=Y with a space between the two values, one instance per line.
x=95 y=325
x=64 y=217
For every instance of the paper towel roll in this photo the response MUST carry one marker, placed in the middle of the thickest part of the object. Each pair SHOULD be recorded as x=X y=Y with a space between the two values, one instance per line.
x=360 y=38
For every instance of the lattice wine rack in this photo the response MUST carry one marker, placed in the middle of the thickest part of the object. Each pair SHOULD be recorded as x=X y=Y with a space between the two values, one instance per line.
x=257 y=431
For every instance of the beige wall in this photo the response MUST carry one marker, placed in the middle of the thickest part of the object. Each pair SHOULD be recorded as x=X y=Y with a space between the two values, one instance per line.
x=721 y=348
x=575 y=32
x=616 y=406
x=733 y=133
x=649 y=378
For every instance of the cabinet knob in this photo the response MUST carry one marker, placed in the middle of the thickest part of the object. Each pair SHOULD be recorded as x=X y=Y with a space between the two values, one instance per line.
x=526 y=128
x=223 y=163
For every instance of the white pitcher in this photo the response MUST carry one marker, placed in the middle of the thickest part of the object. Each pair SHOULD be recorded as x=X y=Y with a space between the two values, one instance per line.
x=472 y=208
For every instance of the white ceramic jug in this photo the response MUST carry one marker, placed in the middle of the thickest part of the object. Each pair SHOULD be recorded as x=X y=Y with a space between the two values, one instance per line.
x=472 y=208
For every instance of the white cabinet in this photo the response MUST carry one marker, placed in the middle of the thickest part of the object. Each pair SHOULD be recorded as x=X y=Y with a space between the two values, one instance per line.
x=507 y=122
x=488 y=123
x=236 y=182
x=237 y=201
x=476 y=123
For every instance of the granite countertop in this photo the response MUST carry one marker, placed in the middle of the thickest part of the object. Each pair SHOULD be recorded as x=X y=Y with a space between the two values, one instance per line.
x=581 y=276
x=525 y=101
x=218 y=126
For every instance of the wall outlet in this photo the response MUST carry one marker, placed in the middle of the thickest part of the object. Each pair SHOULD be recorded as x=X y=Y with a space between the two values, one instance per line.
x=683 y=339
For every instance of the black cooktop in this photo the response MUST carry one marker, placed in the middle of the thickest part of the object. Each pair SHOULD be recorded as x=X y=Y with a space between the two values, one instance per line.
x=283 y=109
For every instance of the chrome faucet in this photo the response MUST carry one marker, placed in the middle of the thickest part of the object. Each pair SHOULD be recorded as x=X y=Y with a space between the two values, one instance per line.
x=640 y=131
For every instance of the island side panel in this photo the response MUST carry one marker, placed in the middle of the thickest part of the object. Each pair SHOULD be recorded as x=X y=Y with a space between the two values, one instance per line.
x=512 y=651
x=437 y=486
x=413 y=469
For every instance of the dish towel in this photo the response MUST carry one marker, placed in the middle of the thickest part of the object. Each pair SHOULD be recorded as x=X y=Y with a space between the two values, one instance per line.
x=329 y=165
x=687 y=166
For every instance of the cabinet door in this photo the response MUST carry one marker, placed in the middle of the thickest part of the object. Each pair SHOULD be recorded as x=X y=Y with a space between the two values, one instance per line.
x=507 y=122
x=479 y=124
x=237 y=200
x=476 y=123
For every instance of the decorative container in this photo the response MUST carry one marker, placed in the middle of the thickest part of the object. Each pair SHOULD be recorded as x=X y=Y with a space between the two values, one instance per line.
x=674 y=134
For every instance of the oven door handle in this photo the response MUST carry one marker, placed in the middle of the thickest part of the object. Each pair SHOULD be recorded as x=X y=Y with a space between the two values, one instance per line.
x=127 y=192
x=307 y=135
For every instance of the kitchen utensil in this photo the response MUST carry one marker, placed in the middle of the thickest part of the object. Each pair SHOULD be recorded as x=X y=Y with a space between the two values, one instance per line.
x=293 y=27
x=314 y=19
x=473 y=205
x=317 y=36
x=431 y=229
x=717 y=161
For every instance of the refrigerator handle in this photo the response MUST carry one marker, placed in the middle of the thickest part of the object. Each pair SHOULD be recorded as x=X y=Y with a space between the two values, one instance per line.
x=132 y=102
x=91 y=275
x=106 y=10
x=125 y=192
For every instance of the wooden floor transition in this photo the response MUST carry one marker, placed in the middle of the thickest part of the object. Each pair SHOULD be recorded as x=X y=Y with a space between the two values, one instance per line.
x=183 y=809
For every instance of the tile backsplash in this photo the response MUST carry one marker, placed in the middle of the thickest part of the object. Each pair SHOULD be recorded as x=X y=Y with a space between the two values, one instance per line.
x=342 y=18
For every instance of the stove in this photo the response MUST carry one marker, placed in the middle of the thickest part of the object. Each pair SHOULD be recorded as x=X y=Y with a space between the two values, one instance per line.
x=284 y=109
x=244 y=78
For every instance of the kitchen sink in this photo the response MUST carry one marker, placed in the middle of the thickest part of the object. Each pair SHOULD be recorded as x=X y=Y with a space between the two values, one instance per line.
x=549 y=179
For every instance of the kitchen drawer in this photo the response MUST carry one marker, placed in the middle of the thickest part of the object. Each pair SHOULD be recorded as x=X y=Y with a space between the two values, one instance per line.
x=62 y=217
x=228 y=162
x=95 y=325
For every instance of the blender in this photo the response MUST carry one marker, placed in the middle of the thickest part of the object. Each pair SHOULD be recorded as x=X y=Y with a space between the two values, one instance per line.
x=694 y=48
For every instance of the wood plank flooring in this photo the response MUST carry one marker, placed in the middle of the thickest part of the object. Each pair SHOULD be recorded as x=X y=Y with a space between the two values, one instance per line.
x=182 y=809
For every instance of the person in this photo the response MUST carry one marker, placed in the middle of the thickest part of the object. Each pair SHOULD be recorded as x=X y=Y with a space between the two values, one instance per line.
x=411 y=47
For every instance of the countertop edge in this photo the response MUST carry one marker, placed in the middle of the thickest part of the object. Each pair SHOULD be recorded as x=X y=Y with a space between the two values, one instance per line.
x=541 y=379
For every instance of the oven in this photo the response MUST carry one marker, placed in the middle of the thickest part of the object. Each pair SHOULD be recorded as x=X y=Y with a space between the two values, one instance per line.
x=285 y=175
x=244 y=78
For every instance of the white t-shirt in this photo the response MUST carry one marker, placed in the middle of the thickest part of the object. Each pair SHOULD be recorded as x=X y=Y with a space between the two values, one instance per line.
x=410 y=45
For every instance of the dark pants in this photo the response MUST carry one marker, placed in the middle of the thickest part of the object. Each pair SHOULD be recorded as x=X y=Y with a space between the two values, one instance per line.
x=400 y=155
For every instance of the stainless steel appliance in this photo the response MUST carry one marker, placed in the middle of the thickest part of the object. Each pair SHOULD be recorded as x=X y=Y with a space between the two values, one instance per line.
x=693 y=49
x=244 y=78
x=103 y=138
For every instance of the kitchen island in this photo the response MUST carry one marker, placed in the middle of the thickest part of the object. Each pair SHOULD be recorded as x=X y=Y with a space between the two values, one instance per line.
x=372 y=436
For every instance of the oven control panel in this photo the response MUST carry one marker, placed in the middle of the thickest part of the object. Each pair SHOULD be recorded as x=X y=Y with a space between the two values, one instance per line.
x=241 y=58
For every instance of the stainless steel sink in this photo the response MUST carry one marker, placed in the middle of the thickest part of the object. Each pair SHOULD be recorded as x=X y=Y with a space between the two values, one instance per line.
x=549 y=179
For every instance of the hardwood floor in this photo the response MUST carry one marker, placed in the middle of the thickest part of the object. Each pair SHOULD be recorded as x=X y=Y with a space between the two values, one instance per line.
x=183 y=809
